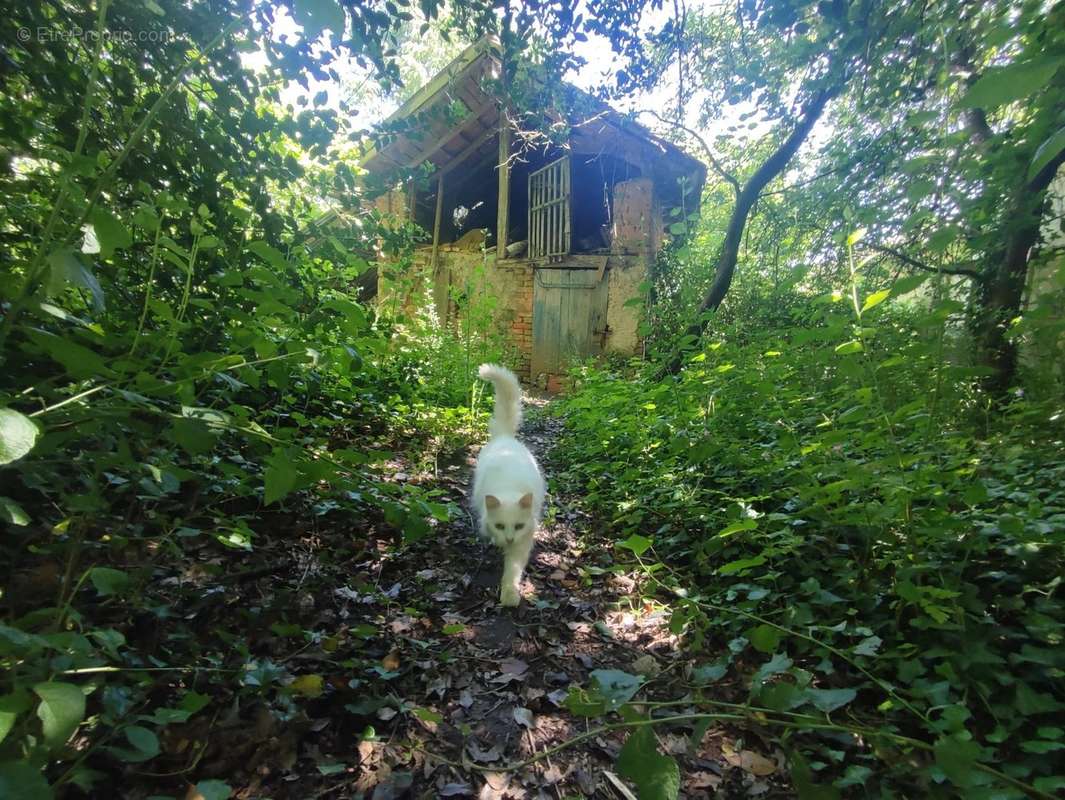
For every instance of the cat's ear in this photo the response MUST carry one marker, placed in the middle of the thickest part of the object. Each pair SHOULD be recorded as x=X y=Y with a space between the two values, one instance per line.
x=491 y=502
x=526 y=500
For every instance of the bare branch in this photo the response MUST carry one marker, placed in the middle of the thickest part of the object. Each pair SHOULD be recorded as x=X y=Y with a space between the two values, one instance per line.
x=718 y=167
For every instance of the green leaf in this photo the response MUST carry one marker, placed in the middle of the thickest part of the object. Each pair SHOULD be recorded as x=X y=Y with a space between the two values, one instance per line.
x=11 y=705
x=828 y=700
x=737 y=527
x=64 y=268
x=194 y=701
x=331 y=769
x=192 y=436
x=109 y=581
x=657 y=777
x=270 y=255
x=427 y=715
x=855 y=237
x=281 y=478
x=636 y=543
x=144 y=740
x=1047 y=152
x=614 y=686
x=18 y=435
x=110 y=233
x=907 y=284
x=807 y=787
x=61 y=710
x=22 y=780
x=764 y=638
x=868 y=646
x=774 y=666
x=11 y=512
x=608 y=691
x=214 y=790
x=741 y=565
x=875 y=299
x=709 y=673
x=318 y=15
x=79 y=362
x=853 y=346
x=999 y=85
x=956 y=758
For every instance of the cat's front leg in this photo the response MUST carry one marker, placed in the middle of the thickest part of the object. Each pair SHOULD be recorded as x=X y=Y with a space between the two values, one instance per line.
x=515 y=557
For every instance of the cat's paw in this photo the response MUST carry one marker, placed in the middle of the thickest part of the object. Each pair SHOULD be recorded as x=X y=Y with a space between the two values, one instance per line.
x=509 y=596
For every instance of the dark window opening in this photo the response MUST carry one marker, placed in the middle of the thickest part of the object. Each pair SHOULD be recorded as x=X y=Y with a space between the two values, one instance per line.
x=593 y=180
x=521 y=166
x=470 y=198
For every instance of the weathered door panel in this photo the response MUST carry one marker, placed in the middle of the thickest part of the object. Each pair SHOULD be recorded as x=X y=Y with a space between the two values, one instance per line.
x=569 y=314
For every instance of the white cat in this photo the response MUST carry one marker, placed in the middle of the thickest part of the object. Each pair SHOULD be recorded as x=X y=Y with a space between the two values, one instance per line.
x=508 y=489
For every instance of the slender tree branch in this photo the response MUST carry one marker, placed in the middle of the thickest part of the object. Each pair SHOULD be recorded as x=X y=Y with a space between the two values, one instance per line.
x=745 y=200
x=913 y=262
x=717 y=166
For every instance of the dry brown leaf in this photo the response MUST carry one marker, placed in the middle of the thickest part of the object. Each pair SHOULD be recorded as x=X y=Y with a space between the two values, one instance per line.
x=703 y=780
x=513 y=666
x=391 y=662
x=756 y=763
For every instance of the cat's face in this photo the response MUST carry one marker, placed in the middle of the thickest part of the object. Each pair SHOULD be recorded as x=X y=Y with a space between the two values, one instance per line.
x=508 y=521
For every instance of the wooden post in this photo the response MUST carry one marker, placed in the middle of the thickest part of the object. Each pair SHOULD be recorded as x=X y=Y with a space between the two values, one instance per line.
x=436 y=219
x=434 y=264
x=503 y=216
x=412 y=194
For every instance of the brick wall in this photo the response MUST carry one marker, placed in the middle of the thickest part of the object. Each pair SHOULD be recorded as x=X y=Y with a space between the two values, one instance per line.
x=521 y=325
x=510 y=287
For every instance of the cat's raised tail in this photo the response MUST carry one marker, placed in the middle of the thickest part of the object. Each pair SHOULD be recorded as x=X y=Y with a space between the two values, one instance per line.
x=506 y=416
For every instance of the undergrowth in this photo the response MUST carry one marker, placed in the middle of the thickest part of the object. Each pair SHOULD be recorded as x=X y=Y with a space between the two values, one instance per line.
x=837 y=523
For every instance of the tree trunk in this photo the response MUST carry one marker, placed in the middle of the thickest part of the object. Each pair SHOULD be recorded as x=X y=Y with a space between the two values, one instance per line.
x=1002 y=288
x=745 y=200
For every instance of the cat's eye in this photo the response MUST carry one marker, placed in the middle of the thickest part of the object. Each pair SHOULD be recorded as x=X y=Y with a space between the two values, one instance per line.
x=499 y=526
x=519 y=525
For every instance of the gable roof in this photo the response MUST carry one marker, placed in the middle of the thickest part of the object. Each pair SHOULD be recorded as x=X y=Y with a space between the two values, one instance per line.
x=453 y=119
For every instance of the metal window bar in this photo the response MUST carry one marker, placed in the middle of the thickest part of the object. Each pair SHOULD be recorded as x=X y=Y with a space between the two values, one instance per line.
x=549 y=211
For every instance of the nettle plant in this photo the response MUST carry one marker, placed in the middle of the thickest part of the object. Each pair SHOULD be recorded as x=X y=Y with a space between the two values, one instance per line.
x=855 y=556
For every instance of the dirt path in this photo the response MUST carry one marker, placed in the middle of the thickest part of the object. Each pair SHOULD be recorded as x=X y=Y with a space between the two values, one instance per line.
x=429 y=688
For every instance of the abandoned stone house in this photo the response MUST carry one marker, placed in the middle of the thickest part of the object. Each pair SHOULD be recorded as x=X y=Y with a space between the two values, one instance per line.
x=560 y=234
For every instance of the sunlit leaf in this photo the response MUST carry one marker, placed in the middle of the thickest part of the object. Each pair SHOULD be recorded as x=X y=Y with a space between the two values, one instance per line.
x=18 y=434
x=110 y=233
x=1000 y=85
x=61 y=710
x=1047 y=152
x=853 y=346
x=875 y=299
x=636 y=543
x=308 y=685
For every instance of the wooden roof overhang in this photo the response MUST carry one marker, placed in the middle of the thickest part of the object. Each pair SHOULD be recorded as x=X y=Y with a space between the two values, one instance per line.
x=450 y=120
x=455 y=118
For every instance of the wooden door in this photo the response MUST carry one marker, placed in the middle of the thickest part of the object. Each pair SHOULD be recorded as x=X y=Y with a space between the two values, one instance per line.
x=569 y=316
